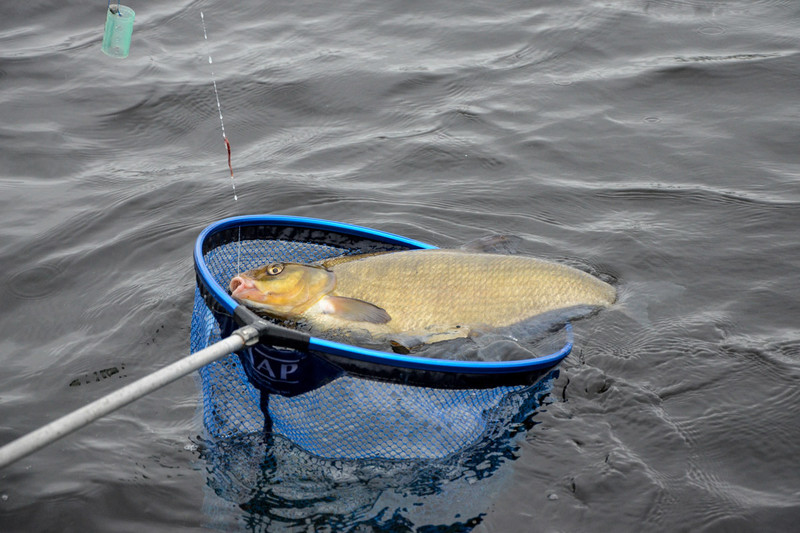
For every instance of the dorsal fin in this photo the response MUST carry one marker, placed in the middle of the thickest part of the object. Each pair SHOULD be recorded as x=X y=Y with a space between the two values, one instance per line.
x=494 y=244
x=333 y=261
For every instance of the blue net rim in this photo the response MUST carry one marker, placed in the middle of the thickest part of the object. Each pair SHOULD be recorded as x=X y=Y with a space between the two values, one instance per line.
x=224 y=302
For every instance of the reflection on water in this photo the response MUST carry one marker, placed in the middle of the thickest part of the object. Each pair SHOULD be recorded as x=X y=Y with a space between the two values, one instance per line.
x=267 y=483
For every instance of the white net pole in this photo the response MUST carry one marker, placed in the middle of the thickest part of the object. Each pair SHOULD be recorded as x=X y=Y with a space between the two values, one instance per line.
x=65 y=425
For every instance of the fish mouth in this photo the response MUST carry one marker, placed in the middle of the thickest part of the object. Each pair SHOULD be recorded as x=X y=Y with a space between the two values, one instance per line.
x=245 y=289
x=235 y=283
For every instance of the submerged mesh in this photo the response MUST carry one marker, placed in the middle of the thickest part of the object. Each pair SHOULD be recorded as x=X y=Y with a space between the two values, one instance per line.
x=350 y=417
x=272 y=485
x=359 y=418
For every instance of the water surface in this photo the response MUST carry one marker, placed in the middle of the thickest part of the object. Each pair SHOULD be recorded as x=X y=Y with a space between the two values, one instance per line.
x=654 y=142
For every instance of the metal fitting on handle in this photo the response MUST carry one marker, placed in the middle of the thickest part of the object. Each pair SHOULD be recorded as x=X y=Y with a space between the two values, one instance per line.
x=249 y=334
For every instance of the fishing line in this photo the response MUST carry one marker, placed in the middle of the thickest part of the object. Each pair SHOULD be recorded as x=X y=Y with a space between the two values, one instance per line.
x=224 y=137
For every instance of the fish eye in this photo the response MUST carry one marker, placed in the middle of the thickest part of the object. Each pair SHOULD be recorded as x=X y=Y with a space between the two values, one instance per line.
x=274 y=269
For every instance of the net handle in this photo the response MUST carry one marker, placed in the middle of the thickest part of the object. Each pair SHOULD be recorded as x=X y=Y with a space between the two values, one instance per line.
x=79 y=418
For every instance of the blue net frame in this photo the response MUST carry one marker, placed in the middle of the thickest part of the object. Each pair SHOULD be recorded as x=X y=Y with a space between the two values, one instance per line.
x=334 y=400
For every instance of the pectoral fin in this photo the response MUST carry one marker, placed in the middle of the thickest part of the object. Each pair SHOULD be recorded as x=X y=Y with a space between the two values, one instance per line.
x=355 y=310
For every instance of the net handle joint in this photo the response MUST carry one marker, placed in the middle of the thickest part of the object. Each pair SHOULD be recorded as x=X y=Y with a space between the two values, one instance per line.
x=255 y=329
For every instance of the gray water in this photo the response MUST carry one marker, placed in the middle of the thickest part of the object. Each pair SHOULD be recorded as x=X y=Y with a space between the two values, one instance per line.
x=654 y=141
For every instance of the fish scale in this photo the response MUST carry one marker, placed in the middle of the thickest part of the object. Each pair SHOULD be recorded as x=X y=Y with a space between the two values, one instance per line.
x=441 y=290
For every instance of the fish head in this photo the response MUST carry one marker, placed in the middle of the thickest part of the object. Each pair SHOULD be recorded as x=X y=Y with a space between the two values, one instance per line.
x=282 y=290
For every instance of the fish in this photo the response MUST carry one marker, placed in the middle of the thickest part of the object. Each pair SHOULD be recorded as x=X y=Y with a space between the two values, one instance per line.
x=433 y=294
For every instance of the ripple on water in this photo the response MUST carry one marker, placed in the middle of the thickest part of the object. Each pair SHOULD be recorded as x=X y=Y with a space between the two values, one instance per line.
x=733 y=6
x=35 y=282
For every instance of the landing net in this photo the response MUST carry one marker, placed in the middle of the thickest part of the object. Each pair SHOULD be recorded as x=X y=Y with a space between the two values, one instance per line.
x=335 y=400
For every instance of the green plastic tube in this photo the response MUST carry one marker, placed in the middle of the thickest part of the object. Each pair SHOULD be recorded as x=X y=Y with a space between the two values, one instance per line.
x=119 y=29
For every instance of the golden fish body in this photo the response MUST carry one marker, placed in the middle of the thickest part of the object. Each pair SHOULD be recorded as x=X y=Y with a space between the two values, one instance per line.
x=425 y=293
